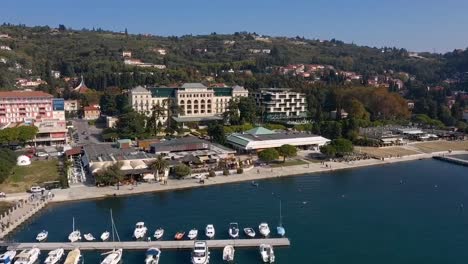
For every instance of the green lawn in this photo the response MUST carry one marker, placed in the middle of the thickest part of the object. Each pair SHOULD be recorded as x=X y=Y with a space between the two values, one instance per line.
x=293 y=162
x=23 y=177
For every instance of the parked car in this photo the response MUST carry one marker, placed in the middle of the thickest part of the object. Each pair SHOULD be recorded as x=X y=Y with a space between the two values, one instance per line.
x=37 y=189
x=2 y=195
x=41 y=154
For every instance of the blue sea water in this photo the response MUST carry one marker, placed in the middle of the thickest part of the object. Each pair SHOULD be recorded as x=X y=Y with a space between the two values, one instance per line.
x=411 y=212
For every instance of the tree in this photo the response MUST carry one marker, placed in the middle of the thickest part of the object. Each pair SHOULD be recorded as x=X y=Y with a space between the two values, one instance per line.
x=328 y=150
x=110 y=175
x=159 y=165
x=131 y=125
x=287 y=151
x=26 y=133
x=216 y=133
x=181 y=170
x=268 y=155
x=331 y=129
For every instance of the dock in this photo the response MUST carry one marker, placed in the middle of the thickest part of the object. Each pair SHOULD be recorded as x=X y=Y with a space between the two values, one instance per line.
x=452 y=160
x=144 y=245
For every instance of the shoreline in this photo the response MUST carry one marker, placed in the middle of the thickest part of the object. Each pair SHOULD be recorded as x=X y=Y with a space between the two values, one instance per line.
x=92 y=193
x=82 y=193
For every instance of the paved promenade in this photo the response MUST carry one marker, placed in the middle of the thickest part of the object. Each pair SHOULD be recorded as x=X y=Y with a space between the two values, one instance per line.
x=82 y=192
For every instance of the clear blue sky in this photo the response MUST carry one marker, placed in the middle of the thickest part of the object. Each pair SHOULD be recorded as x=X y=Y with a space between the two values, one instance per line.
x=418 y=25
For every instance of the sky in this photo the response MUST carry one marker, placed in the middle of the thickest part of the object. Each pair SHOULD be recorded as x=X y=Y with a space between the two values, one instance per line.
x=417 y=25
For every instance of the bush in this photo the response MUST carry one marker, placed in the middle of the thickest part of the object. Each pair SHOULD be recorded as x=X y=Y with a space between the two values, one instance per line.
x=225 y=172
x=181 y=170
x=211 y=174
x=240 y=170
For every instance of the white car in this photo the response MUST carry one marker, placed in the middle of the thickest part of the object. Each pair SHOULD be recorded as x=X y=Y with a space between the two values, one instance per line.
x=37 y=189
x=42 y=154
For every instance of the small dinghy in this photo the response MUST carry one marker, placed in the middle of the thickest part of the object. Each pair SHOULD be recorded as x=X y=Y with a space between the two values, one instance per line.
x=105 y=236
x=7 y=257
x=54 y=256
x=255 y=184
x=264 y=229
x=152 y=256
x=193 y=234
x=179 y=235
x=228 y=253
x=234 y=230
x=42 y=236
x=266 y=253
x=250 y=232
x=158 y=233
x=210 y=231
x=89 y=237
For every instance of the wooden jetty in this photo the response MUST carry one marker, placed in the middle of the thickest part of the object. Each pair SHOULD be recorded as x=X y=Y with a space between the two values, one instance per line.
x=143 y=245
x=452 y=160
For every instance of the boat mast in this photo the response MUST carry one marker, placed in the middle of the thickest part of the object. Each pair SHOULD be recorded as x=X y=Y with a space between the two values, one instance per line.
x=281 y=217
x=114 y=228
x=73 y=228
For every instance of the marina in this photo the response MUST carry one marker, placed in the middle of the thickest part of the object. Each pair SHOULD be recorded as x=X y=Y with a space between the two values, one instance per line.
x=452 y=159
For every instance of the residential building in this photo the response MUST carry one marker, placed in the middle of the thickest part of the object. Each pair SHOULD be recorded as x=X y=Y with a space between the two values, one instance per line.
x=280 y=103
x=91 y=112
x=126 y=54
x=111 y=121
x=71 y=106
x=51 y=132
x=4 y=47
x=260 y=138
x=25 y=106
x=55 y=74
x=58 y=109
x=196 y=102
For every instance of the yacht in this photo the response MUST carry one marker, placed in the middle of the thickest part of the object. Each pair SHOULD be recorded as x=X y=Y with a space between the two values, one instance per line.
x=264 y=229
x=113 y=257
x=54 y=256
x=28 y=256
x=250 y=232
x=152 y=256
x=267 y=253
x=228 y=253
x=42 y=236
x=158 y=233
x=140 y=230
x=200 y=253
x=7 y=257
x=75 y=235
x=73 y=257
x=234 y=230
x=179 y=235
x=210 y=231
x=105 y=236
x=193 y=234
x=89 y=237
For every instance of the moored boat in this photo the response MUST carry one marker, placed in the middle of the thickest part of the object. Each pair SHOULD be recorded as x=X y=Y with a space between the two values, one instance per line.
x=250 y=232
x=140 y=230
x=179 y=235
x=89 y=237
x=28 y=256
x=113 y=257
x=54 y=256
x=105 y=236
x=7 y=257
x=234 y=230
x=200 y=253
x=152 y=256
x=75 y=235
x=210 y=231
x=264 y=229
x=193 y=233
x=42 y=236
x=158 y=234
x=266 y=253
x=228 y=253
x=73 y=257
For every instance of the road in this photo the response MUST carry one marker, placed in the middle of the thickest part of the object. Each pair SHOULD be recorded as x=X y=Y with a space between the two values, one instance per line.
x=84 y=133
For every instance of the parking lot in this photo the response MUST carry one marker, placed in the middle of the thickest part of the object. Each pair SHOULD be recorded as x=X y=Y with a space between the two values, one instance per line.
x=84 y=133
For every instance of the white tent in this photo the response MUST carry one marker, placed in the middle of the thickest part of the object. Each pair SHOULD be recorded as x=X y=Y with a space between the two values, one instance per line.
x=23 y=160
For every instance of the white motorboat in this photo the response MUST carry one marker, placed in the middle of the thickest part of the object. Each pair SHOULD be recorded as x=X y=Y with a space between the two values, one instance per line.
x=264 y=229
x=193 y=233
x=210 y=231
x=75 y=235
x=7 y=257
x=28 y=256
x=250 y=232
x=228 y=253
x=105 y=236
x=200 y=253
x=152 y=256
x=54 y=256
x=73 y=257
x=113 y=257
x=89 y=237
x=158 y=233
x=280 y=229
x=234 y=230
x=140 y=230
x=42 y=236
x=267 y=253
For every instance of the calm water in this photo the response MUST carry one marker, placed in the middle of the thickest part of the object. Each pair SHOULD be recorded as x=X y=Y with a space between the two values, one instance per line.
x=402 y=213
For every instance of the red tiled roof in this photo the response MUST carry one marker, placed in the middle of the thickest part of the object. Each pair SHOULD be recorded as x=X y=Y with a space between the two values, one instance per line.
x=24 y=94
x=90 y=108
x=73 y=151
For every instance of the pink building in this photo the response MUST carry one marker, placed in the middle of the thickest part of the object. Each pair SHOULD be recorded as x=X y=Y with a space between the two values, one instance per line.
x=21 y=106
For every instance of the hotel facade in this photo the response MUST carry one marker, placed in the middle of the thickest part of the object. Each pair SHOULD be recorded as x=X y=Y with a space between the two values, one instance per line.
x=280 y=104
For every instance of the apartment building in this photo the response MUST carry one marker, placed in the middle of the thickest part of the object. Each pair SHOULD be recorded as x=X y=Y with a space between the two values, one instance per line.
x=280 y=103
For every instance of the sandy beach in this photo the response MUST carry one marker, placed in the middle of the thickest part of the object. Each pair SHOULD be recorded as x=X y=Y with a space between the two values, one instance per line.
x=256 y=173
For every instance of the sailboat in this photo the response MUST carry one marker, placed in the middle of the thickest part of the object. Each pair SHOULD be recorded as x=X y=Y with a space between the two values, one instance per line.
x=280 y=229
x=75 y=235
x=54 y=256
x=114 y=256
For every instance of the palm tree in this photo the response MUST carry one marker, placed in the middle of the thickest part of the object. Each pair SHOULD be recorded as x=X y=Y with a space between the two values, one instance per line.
x=159 y=165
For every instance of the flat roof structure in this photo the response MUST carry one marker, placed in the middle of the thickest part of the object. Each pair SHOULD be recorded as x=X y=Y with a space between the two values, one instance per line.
x=183 y=119
x=262 y=138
